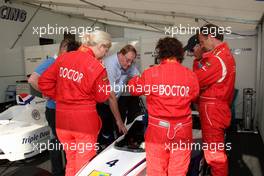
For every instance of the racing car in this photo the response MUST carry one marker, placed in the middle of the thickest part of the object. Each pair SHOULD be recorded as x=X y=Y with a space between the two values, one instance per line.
x=126 y=156
x=23 y=128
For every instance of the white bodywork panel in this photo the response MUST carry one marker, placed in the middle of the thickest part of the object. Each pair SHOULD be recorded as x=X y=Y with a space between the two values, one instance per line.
x=22 y=129
x=115 y=162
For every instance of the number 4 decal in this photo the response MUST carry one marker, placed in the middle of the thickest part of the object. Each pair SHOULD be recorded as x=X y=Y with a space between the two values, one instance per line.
x=112 y=163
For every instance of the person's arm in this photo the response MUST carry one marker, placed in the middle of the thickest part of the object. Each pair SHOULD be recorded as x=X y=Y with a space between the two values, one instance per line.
x=101 y=87
x=111 y=73
x=115 y=110
x=136 y=85
x=196 y=64
x=33 y=80
x=48 y=80
x=211 y=72
x=195 y=88
x=134 y=71
x=34 y=77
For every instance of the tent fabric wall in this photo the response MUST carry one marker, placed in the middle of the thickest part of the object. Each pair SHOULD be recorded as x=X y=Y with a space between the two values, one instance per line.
x=260 y=106
x=12 y=65
x=246 y=59
x=156 y=14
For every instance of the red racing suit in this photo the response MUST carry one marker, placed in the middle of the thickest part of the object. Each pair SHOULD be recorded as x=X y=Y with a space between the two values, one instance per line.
x=216 y=75
x=76 y=81
x=170 y=88
x=196 y=64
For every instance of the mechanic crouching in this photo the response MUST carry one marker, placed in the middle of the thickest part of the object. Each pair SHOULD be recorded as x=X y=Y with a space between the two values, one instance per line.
x=169 y=88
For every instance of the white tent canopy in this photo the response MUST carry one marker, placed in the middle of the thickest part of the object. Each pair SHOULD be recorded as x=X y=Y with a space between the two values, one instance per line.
x=156 y=14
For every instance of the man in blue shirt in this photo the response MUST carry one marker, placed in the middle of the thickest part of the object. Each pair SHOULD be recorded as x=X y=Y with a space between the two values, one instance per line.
x=120 y=68
x=55 y=155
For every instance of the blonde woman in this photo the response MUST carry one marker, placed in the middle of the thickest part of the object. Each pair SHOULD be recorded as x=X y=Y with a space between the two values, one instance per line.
x=75 y=81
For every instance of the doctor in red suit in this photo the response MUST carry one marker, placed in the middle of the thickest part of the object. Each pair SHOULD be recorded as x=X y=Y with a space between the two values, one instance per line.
x=75 y=81
x=170 y=88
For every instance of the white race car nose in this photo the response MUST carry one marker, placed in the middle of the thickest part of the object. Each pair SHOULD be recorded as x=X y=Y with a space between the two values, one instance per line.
x=4 y=122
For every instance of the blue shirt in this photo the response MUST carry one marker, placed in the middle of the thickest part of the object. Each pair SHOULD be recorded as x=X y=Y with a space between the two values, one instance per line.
x=39 y=70
x=117 y=76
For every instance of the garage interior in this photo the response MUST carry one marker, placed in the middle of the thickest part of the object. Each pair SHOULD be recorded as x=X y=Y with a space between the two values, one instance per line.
x=141 y=23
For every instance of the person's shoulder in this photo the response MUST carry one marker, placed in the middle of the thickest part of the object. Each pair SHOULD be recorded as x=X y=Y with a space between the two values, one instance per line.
x=50 y=60
x=190 y=73
x=80 y=56
x=77 y=54
x=211 y=57
x=95 y=64
x=111 y=59
x=221 y=50
x=44 y=65
x=111 y=62
x=132 y=68
x=152 y=69
x=207 y=55
x=47 y=62
x=186 y=69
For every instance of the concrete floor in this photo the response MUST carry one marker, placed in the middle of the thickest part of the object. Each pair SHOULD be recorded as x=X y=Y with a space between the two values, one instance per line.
x=247 y=155
x=37 y=166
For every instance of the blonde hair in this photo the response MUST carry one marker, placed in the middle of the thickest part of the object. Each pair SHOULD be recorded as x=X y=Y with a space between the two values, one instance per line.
x=96 y=38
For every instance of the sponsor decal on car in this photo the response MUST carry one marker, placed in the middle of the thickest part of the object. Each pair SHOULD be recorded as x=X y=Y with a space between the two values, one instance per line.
x=98 y=173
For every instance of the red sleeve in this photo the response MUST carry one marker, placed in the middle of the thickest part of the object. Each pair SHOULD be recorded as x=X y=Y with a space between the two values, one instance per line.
x=47 y=81
x=195 y=88
x=195 y=64
x=101 y=87
x=209 y=73
x=136 y=85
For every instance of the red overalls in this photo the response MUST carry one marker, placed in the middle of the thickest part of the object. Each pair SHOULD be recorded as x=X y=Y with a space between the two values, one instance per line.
x=216 y=75
x=74 y=81
x=170 y=88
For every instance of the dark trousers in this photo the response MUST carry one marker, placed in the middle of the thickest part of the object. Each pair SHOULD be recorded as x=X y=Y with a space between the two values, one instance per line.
x=55 y=155
x=129 y=109
x=106 y=135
